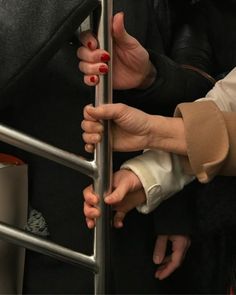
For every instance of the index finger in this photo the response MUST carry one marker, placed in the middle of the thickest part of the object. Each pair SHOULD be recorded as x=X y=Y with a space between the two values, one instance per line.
x=88 y=40
x=86 y=115
x=89 y=196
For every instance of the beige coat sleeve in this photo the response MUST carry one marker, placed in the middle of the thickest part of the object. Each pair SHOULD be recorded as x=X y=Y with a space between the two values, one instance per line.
x=210 y=126
x=161 y=173
x=211 y=140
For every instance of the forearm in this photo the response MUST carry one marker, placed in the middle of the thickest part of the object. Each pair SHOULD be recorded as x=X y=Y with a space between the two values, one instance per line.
x=200 y=121
x=167 y=134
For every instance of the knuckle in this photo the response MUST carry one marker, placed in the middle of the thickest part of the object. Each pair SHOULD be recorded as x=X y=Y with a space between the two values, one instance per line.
x=116 y=196
x=121 y=106
x=86 y=197
x=84 y=36
x=89 y=68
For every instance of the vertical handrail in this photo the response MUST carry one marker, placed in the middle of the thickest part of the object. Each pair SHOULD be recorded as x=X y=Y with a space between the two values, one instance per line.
x=103 y=157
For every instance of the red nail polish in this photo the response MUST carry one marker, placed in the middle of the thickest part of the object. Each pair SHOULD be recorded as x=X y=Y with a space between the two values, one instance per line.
x=105 y=57
x=103 y=69
x=89 y=45
x=92 y=79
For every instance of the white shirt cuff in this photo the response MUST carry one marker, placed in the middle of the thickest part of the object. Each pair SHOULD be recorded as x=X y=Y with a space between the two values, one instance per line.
x=161 y=175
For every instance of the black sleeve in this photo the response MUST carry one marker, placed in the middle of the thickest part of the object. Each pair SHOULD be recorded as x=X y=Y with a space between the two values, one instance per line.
x=31 y=32
x=175 y=83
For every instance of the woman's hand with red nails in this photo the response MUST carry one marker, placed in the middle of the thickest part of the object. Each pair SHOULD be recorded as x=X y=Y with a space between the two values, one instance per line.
x=128 y=58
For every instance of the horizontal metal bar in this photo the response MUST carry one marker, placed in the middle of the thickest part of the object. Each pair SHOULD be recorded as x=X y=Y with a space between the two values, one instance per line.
x=35 y=243
x=48 y=151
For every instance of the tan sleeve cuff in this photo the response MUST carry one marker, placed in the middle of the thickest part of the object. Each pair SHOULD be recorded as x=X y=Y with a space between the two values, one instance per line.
x=206 y=136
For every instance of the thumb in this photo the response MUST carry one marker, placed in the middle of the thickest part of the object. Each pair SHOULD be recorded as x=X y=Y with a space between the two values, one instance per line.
x=104 y=112
x=119 y=32
x=117 y=195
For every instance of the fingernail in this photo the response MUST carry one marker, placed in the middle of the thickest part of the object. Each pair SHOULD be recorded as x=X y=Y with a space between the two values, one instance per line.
x=89 y=44
x=103 y=69
x=107 y=199
x=92 y=79
x=105 y=57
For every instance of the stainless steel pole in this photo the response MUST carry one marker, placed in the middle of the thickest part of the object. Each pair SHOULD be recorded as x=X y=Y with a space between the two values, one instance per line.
x=103 y=157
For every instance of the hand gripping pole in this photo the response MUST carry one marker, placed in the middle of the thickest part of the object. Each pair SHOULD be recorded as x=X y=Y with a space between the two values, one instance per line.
x=100 y=170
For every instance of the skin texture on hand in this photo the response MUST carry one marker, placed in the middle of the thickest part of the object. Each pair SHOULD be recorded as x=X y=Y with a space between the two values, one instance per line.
x=133 y=130
x=128 y=57
x=127 y=195
x=130 y=129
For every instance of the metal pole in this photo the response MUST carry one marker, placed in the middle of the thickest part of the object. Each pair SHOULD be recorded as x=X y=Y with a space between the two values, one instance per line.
x=103 y=158
x=48 y=151
x=35 y=243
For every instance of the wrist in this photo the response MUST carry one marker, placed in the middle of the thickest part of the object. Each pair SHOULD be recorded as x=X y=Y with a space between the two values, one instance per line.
x=149 y=77
x=167 y=134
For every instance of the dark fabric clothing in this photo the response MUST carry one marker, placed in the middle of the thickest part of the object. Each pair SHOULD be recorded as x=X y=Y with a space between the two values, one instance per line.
x=48 y=104
x=51 y=110
x=31 y=33
x=207 y=41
